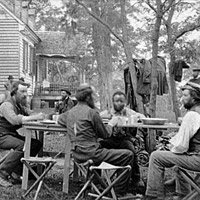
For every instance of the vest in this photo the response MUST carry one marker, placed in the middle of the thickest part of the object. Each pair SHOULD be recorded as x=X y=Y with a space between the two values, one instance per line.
x=194 y=144
x=5 y=126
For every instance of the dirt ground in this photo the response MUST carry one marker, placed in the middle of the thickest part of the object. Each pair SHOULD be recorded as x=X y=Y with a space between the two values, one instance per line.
x=55 y=142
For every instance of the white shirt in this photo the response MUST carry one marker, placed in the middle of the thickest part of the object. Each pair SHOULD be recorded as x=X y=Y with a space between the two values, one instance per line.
x=188 y=128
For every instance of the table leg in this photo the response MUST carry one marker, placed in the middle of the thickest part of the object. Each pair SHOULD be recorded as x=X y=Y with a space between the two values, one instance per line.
x=27 y=147
x=67 y=164
x=151 y=140
x=40 y=154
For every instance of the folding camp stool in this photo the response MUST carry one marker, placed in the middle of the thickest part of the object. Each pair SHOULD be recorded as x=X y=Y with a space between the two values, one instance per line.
x=83 y=170
x=108 y=178
x=31 y=162
x=192 y=180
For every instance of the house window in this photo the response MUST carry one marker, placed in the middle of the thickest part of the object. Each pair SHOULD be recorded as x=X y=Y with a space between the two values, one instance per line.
x=25 y=56
x=32 y=60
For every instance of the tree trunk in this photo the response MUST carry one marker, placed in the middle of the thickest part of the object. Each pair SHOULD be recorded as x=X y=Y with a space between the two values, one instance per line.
x=129 y=58
x=102 y=48
x=171 y=42
x=154 y=83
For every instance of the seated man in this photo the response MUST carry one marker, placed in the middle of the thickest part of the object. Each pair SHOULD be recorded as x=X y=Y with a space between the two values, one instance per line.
x=65 y=103
x=184 y=148
x=12 y=115
x=85 y=128
x=122 y=139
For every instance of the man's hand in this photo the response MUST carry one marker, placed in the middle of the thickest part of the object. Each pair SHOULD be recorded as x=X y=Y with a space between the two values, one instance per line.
x=114 y=121
x=40 y=116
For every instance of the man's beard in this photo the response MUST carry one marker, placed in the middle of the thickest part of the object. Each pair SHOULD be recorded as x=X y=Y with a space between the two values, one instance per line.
x=118 y=108
x=188 y=105
x=90 y=102
x=21 y=101
x=63 y=98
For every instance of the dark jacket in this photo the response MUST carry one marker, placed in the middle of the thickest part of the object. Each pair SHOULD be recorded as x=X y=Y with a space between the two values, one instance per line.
x=64 y=106
x=85 y=127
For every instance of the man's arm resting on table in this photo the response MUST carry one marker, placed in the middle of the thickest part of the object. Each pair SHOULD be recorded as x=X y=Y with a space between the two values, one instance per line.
x=62 y=119
x=7 y=111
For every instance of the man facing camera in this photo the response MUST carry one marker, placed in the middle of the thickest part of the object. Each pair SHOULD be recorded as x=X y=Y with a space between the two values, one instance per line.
x=120 y=138
x=184 y=149
x=65 y=103
x=12 y=115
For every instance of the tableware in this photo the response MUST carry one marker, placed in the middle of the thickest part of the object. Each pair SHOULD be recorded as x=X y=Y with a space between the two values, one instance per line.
x=132 y=119
x=105 y=121
x=122 y=120
x=55 y=118
x=153 y=121
x=48 y=121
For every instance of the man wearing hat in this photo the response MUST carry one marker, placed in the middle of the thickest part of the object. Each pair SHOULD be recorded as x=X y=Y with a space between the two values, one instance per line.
x=195 y=74
x=8 y=85
x=65 y=103
x=184 y=149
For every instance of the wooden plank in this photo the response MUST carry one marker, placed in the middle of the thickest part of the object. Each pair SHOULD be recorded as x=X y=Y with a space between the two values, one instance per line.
x=67 y=164
x=6 y=63
x=3 y=34
x=8 y=45
x=8 y=53
x=9 y=28
x=27 y=147
x=9 y=40
x=10 y=49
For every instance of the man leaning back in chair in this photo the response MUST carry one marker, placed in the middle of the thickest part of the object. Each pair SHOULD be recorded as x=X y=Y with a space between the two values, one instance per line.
x=184 y=149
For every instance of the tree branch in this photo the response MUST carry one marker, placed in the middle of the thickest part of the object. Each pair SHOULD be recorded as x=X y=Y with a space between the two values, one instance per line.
x=101 y=21
x=187 y=29
x=169 y=6
x=149 y=4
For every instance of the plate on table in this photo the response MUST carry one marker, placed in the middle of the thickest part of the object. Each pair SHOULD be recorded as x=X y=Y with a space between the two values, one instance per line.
x=153 y=121
x=48 y=121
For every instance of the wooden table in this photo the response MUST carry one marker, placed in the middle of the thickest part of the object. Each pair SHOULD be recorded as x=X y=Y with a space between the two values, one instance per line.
x=37 y=126
x=151 y=137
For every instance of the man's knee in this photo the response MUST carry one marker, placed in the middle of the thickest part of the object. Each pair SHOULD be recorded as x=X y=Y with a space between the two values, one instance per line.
x=129 y=154
x=19 y=145
x=155 y=155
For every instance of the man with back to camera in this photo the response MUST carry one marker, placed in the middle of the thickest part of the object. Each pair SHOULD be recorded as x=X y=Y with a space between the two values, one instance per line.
x=184 y=149
x=121 y=139
x=12 y=115
x=85 y=127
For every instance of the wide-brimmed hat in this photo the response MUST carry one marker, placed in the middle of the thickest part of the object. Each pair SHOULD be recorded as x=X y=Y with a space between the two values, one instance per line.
x=66 y=90
x=191 y=86
x=10 y=77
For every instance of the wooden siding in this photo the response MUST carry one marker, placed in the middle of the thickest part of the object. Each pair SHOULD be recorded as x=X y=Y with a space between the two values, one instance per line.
x=9 y=48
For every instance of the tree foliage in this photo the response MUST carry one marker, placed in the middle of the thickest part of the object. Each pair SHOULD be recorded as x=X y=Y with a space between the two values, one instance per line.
x=177 y=19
